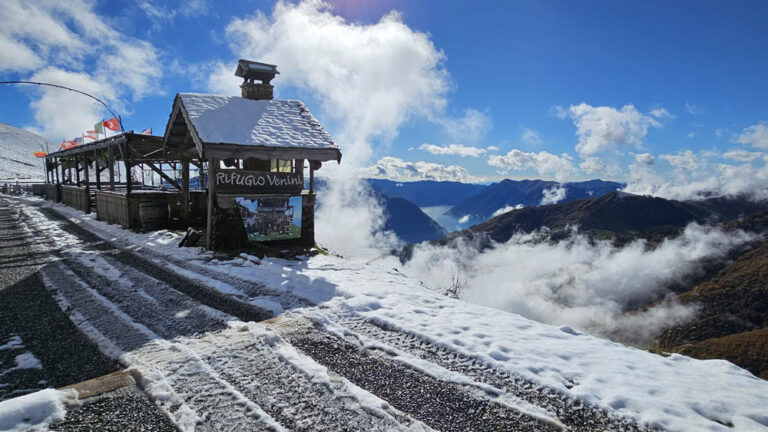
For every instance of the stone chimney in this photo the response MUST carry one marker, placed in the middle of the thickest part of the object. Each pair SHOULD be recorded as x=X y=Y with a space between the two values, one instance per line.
x=251 y=72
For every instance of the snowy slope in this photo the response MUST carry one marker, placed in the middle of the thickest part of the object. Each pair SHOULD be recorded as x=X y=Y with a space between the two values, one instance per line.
x=16 y=158
x=675 y=393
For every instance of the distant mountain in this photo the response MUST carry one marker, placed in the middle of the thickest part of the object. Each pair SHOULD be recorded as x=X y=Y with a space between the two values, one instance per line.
x=404 y=218
x=426 y=193
x=481 y=206
x=408 y=221
x=732 y=321
x=16 y=158
x=617 y=215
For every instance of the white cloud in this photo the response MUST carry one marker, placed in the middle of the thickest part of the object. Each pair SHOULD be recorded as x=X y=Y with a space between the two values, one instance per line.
x=594 y=165
x=755 y=135
x=80 y=113
x=546 y=164
x=661 y=113
x=711 y=177
x=15 y=56
x=453 y=149
x=506 y=209
x=530 y=137
x=492 y=148
x=348 y=68
x=644 y=158
x=399 y=170
x=159 y=13
x=693 y=109
x=80 y=49
x=742 y=155
x=472 y=126
x=686 y=160
x=558 y=111
x=605 y=128
x=552 y=195
x=578 y=282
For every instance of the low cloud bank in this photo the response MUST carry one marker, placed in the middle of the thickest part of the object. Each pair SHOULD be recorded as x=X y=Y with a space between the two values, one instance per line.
x=583 y=284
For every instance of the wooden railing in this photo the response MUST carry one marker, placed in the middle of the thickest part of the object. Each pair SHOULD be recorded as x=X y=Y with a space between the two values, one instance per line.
x=75 y=197
x=52 y=192
x=115 y=207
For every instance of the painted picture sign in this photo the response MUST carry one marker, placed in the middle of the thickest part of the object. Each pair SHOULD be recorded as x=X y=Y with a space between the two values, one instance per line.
x=258 y=182
x=271 y=218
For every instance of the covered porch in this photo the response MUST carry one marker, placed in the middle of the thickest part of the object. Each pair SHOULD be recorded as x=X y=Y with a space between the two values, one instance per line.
x=128 y=179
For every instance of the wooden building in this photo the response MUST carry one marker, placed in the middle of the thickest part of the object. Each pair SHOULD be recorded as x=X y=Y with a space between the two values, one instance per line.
x=249 y=154
x=256 y=150
x=100 y=175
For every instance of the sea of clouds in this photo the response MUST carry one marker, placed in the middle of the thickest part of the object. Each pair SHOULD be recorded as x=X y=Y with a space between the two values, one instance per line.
x=585 y=284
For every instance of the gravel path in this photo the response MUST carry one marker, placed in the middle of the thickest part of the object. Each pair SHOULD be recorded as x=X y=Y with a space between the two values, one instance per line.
x=439 y=404
x=573 y=413
x=125 y=410
x=206 y=366
x=31 y=317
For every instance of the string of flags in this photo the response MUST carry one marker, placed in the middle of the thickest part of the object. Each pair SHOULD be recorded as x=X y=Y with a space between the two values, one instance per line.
x=100 y=128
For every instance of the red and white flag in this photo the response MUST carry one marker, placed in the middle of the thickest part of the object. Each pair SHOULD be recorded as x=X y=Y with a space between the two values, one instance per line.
x=90 y=135
x=112 y=124
x=146 y=132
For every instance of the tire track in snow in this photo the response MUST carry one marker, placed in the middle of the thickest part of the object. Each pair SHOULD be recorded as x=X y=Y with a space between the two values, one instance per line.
x=440 y=404
x=185 y=397
x=573 y=413
x=206 y=375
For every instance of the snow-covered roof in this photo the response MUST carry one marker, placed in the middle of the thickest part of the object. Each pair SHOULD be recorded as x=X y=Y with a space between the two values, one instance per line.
x=215 y=120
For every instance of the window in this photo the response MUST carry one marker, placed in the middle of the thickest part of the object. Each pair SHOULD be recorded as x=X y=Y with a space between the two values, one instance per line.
x=280 y=165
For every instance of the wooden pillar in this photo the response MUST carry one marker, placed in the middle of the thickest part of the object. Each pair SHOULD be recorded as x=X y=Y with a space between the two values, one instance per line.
x=96 y=159
x=209 y=234
x=128 y=181
x=185 y=189
x=311 y=178
x=87 y=186
x=77 y=171
x=111 y=164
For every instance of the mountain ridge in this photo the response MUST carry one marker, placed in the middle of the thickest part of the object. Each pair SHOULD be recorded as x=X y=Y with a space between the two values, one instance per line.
x=511 y=193
x=17 y=160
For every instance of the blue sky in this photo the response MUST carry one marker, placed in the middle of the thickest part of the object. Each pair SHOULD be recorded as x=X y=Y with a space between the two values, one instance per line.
x=667 y=96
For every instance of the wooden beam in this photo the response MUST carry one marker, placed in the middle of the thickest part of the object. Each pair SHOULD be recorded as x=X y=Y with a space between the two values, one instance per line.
x=185 y=189
x=111 y=165
x=128 y=179
x=87 y=187
x=209 y=234
x=163 y=175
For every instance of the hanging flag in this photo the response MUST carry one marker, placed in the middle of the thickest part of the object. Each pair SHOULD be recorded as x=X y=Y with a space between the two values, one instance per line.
x=40 y=154
x=112 y=124
x=147 y=131
x=91 y=135
x=77 y=140
x=67 y=144
x=99 y=128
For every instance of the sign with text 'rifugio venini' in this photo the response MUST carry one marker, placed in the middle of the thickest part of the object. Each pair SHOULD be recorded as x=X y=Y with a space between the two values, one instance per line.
x=258 y=182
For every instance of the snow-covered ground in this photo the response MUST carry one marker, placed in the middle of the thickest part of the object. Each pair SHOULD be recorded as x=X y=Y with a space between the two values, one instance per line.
x=35 y=410
x=672 y=393
x=17 y=160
